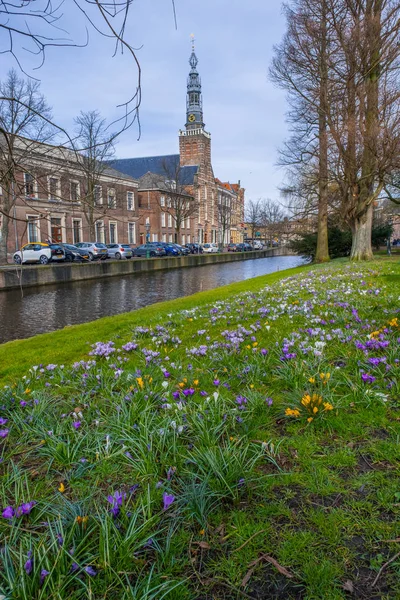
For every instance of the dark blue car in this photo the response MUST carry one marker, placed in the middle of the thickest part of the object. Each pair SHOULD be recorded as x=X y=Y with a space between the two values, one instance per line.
x=171 y=250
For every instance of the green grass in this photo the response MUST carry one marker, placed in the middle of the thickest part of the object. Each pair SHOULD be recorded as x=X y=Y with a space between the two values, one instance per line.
x=207 y=423
x=72 y=343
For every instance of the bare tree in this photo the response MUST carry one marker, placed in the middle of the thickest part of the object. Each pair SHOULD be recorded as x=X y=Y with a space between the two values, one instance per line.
x=225 y=214
x=271 y=219
x=33 y=27
x=177 y=199
x=253 y=212
x=360 y=106
x=300 y=66
x=24 y=113
x=93 y=162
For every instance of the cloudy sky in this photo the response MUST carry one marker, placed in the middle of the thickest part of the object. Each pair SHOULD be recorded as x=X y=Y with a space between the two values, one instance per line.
x=243 y=111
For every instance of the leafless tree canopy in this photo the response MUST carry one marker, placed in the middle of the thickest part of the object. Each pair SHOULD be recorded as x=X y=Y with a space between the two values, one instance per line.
x=34 y=26
x=178 y=199
x=24 y=121
x=339 y=63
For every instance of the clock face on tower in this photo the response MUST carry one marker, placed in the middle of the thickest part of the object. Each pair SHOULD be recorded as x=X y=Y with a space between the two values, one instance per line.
x=192 y=118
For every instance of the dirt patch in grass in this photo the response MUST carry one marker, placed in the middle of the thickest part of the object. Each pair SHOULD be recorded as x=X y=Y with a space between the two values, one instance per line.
x=362 y=581
x=273 y=586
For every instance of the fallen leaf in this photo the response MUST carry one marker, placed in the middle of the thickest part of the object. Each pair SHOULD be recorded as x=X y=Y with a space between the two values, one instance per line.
x=203 y=545
x=266 y=558
x=246 y=578
x=277 y=566
x=348 y=586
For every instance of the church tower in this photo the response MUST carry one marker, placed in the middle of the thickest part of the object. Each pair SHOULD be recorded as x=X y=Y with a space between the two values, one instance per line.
x=195 y=150
x=194 y=141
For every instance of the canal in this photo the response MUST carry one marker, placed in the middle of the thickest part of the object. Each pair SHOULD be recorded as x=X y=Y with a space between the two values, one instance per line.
x=45 y=309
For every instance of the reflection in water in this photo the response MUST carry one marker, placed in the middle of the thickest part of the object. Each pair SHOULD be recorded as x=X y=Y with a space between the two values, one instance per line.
x=53 y=307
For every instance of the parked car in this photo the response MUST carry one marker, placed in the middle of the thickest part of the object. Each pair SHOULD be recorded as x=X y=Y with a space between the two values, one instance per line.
x=183 y=250
x=257 y=245
x=243 y=247
x=152 y=249
x=95 y=250
x=171 y=250
x=210 y=248
x=194 y=248
x=73 y=253
x=39 y=252
x=231 y=247
x=119 y=251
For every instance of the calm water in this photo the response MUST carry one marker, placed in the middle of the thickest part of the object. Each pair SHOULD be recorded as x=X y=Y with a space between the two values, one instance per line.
x=53 y=307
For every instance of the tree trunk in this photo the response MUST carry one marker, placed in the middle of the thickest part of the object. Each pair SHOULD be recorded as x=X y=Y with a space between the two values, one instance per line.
x=362 y=221
x=7 y=207
x=322 y=252
x=361 y=229
x=4 y=237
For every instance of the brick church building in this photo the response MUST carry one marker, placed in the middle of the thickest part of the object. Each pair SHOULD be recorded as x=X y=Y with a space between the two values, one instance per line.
x=213 y=198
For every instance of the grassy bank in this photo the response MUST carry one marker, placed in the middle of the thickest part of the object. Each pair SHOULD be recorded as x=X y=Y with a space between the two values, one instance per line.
x=241 y=443
x=73 y=343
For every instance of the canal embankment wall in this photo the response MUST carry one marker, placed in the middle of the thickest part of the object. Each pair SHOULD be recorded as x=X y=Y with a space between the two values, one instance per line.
x=12 y=277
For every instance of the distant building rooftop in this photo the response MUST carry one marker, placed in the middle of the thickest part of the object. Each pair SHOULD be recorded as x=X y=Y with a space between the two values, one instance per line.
x=167 y=166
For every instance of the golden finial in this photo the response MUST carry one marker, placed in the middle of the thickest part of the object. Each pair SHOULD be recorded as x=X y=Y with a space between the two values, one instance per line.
x=192 y=38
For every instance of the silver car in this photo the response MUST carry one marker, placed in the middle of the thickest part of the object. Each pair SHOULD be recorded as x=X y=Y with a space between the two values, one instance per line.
x=95 y=250
x=119 y=251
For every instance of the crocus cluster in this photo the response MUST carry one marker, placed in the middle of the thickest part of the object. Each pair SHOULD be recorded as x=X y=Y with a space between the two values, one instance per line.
x=24 y=509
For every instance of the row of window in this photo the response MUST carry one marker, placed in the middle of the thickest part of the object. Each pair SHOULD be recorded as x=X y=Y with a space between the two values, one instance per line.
x=168 y=203
x=163 y=221
x=54 y=192
x=33 y=231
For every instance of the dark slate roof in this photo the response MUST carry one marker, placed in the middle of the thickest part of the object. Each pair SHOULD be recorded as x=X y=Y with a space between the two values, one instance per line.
x=167 y=166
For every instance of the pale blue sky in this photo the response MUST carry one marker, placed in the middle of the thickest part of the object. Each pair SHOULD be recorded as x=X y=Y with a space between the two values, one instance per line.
x=243 y=111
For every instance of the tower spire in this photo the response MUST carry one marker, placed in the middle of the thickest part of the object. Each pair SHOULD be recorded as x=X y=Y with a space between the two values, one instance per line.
x=194 y=102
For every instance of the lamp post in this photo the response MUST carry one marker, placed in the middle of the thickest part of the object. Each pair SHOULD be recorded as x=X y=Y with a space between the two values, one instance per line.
x=147 y=239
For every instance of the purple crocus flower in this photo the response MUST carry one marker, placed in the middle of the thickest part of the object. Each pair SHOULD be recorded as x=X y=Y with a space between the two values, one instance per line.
x=8 y=512
x=216 y=382
x=176 y=395
x=264 y=351
x=269 y=401
x=367 y=378
x=60 y=539
x=4 y=433
x=90 y=571
x=116 y=500
x=241 y=401
x=25 y=508
x=74 y=567
x=43 y=575
x=168 y=500
x=76 y=424
x=3 y=421
x=170 y=473
x=188 y=392
x=28 y=566
x=167 y=374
